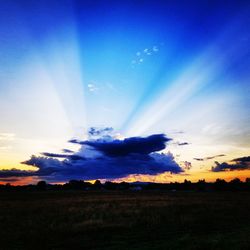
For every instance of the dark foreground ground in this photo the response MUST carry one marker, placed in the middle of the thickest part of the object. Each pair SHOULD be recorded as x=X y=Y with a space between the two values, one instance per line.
x=124 y=220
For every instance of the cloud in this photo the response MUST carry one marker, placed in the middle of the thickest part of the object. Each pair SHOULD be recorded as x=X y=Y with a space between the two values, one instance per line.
x=241 y=160
x=242 y=163
x=182 y=143
x=155 y=49
x=187 y=165
x=102 y=159
x=215 y=156
x=7 y=136
x=199 y=159
x=73 y=156
x=92 y=87
x=7 y=173
x=140 y=56
x=55 y=155
x=100 y=132
x=5 y=140
x=67 y=151
x=5 y=147
x=208 y=158
x=9 y=179
x=132 y=145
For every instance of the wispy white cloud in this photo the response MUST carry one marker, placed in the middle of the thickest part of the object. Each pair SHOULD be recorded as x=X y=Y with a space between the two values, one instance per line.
x=92 y=87
x=6 y=141
x=155 y=49
x=7 y=136
x=5 y=147
x=141 y=55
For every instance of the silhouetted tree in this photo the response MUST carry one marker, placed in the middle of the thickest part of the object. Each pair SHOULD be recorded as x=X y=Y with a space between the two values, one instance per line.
x=75 y=184
x=98 y=184
x=235 y=184
x=123 y=185
x=235 y=181
x=220 y=184
x=41 y=185
x=187 y=185
x=201 y=185
x=110 y=185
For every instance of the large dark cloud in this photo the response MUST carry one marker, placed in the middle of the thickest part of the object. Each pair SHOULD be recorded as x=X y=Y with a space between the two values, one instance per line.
x=104 y=167
x=103 y=159
x=133 y=145
x=242 y=163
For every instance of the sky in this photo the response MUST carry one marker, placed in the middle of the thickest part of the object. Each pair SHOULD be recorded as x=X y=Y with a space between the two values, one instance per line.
x=85 y=84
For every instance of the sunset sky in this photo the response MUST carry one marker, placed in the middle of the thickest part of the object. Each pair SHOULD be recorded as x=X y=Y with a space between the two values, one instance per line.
x=124 y=90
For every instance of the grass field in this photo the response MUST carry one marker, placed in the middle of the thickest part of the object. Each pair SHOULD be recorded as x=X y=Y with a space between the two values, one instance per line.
x=124 y=220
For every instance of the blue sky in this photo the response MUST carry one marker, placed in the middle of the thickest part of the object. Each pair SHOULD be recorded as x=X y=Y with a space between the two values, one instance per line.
x=141 y=67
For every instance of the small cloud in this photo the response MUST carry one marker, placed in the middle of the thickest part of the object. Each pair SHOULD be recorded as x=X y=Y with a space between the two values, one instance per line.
x=55 y=155
x=92 y=87
x=7 y=173
x=242 y=159
x=182 y=143
x=187 y=165
x=140 y=56
x=67 y=151
x=209 y=157
x=199 y=159
x=155 y=49
x=215 y=156
x=94 y=131
x=5 y=140
x=242 y=163
x=7 y=136
x=5 y=147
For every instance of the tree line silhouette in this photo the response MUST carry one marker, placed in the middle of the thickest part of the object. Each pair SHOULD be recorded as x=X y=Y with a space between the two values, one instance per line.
x=201 y=185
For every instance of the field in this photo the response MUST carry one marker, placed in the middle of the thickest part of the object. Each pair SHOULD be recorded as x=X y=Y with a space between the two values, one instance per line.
x=110 y=220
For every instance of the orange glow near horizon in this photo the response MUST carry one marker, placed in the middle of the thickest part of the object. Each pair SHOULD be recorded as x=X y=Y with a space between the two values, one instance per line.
x=161 y=178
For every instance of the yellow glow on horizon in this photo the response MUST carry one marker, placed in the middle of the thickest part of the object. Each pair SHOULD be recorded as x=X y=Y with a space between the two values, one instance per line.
x=194 y=177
